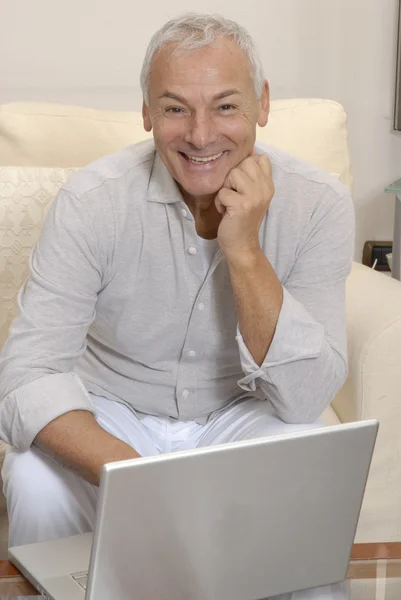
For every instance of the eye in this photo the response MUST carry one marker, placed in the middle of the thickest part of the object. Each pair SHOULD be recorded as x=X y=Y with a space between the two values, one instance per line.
x=226 y=107
x=174 y=110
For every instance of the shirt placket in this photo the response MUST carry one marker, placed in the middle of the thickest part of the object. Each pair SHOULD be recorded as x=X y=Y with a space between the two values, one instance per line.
x=199 y=287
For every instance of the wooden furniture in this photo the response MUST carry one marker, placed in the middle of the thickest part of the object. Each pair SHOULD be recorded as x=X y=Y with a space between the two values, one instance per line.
x=12 y=583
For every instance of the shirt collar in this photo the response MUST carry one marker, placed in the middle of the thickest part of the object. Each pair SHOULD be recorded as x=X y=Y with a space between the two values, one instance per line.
x=162 y=187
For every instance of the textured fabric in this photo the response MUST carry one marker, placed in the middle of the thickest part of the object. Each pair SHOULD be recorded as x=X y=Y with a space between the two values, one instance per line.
x=117 y=270
x=65 y=504
x=43 y=134
x=25 y=197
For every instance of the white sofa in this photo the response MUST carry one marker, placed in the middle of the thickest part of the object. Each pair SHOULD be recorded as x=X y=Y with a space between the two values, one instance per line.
x=41 y=145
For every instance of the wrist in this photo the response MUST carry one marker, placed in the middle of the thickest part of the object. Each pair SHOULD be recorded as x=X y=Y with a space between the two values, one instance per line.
x=244 y=257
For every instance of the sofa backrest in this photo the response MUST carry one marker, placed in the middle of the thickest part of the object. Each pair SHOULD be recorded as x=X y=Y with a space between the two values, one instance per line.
x=54 y=135
x=42 y=144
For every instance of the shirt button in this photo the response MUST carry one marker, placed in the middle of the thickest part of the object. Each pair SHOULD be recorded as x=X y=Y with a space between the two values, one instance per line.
x=192 y=354
x=192 y=250
x=201 y=306
x=185 y=393
x=184 y=212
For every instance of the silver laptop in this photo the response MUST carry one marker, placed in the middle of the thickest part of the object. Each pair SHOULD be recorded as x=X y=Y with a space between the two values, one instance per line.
x=240 y=521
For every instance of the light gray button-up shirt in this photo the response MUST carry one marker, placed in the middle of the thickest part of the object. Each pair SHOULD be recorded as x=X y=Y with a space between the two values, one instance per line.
x=117 y=302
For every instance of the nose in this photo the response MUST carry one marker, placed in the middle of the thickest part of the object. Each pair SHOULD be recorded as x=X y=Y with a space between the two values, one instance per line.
x=201 y=132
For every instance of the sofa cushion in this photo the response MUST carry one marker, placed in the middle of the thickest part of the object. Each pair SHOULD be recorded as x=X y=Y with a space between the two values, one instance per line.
x=54 y=135
x=329 y=417
x=25 y=197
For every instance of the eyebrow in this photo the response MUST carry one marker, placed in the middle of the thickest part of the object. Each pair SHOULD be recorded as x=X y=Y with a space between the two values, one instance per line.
x=219 y=96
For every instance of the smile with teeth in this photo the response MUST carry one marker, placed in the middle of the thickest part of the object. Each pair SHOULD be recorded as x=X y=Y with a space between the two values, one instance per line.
x=201 y=160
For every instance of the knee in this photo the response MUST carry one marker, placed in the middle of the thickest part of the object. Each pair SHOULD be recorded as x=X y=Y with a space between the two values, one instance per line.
x=29 y=477
x=44 y=500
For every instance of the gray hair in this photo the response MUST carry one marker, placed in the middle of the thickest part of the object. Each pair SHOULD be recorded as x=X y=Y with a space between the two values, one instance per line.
x=192 y=31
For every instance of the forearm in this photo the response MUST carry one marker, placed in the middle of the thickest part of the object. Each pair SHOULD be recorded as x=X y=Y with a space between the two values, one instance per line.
x=301 y=390
x=258 y=297
x=78 y=442
x=305 y=365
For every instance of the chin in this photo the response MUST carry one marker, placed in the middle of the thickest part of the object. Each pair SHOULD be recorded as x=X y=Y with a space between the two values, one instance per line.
x=203 y=186
x=201 y=190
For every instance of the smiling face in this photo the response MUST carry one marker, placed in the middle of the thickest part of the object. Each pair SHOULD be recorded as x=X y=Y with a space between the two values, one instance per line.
x=203 y=112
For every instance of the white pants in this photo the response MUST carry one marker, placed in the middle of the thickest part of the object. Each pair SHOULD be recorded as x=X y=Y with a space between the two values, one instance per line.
x=46 y=501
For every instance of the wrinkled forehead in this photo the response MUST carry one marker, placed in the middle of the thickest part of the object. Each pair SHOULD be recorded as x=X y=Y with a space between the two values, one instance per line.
x=220 y=64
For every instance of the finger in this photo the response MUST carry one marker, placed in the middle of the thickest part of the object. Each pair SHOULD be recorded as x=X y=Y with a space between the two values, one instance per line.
x=227 y=199
x=219 y=205
x=250 y=167
x=265 y=164
x=237 y=180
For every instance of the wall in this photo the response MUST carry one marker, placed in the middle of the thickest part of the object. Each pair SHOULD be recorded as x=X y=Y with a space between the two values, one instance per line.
x=90 y=53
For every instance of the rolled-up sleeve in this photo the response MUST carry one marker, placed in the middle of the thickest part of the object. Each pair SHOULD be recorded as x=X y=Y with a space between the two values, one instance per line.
x=56 y=308
x=306 y=363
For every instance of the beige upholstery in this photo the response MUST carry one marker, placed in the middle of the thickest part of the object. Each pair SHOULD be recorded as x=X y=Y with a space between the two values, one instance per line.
x=53 y=135
x=25 y=197
x=373 y=391
x=39 y=145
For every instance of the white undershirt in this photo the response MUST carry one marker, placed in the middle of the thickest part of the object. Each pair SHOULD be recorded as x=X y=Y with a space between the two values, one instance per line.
x=208 y=248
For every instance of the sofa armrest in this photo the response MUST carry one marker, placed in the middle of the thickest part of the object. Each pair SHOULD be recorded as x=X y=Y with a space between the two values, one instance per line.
x=373 y=391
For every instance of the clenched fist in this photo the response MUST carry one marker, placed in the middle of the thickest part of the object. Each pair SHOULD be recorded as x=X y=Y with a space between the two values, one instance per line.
x=243 y=201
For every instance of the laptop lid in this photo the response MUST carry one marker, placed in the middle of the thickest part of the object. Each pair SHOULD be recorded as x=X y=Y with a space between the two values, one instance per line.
x=240 y=521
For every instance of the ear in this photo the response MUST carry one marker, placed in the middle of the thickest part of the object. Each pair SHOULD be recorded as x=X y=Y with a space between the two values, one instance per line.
x=264 y=103
x=147 y=125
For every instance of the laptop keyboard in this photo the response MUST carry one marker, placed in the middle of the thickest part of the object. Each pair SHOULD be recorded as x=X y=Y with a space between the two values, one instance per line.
x=81 y=578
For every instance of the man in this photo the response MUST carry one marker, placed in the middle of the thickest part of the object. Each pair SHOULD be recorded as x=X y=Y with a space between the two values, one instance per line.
x=183 y=293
